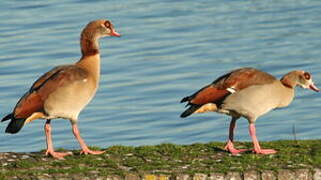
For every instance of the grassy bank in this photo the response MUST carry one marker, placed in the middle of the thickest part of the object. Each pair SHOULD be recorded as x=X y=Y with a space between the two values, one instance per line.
x=164 y=159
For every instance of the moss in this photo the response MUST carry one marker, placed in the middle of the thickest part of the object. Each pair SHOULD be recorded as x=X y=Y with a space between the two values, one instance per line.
x=170 y=159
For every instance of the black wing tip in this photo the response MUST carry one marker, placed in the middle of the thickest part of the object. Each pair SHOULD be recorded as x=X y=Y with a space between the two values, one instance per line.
x=10 y=131
x=7 y=117
x=187 y=113
x=185 y=99
x=190 y=110
x=15 y=125
x=184 y=114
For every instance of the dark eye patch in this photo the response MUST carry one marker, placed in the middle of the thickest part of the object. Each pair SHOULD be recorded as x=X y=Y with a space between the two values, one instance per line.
x=307 y=76
x=107 y=24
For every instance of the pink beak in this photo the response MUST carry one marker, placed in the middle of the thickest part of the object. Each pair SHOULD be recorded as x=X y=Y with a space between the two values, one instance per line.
x=114 y=33
x=314 y=88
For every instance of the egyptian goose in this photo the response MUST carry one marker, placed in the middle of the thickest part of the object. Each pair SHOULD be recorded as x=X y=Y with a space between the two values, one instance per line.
x=248 y=93
x=65 y=90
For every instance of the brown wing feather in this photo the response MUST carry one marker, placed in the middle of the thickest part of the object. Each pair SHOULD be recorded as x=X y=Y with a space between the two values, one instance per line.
x=40 y=81
x=34 y=99
x=209 y=94
x=237 y=79
x=28 y=104
x=245 y=77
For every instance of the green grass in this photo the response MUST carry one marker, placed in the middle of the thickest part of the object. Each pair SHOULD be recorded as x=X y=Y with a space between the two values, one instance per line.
x=171 y=159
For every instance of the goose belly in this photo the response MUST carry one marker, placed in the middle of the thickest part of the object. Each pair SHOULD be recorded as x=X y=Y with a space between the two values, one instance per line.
x=67 y=102
x=254 y=101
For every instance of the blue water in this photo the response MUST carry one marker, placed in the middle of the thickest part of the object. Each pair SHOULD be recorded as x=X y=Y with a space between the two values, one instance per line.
x=169 y=49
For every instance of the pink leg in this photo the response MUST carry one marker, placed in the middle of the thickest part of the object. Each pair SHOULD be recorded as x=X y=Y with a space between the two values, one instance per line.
x=50 y=149
x=84 y=147
x=229 y=145
x=257 y=148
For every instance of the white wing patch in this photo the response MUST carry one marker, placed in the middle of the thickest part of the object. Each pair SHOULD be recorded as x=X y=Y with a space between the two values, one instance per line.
x=231 y=90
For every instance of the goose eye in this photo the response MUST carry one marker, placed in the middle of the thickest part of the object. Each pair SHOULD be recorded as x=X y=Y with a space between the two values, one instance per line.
x=307 y=76
x=107 y=24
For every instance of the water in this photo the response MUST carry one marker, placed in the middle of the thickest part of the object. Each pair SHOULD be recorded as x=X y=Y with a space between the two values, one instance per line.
x=169 y=49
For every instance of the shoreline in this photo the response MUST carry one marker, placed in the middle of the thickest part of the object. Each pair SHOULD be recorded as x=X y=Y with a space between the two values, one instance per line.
x=295 y=159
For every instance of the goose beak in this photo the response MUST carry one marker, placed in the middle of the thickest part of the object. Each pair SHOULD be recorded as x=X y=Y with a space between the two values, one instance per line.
x=314 y=88
x=114 y=33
